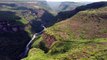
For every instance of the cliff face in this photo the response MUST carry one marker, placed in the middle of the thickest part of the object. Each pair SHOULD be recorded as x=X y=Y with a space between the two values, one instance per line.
x=13 y=37
x=14 y=30
x=46 y=42
x=48 y=39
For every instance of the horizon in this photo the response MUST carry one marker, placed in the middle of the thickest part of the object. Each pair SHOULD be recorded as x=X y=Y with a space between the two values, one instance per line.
x=74 y=0
x=52 y=0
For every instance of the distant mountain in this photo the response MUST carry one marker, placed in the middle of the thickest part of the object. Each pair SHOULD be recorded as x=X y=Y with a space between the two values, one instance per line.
x=54 y=5
x=67 y=14
x=41 y=4
x=19 y=1
x=67 y=6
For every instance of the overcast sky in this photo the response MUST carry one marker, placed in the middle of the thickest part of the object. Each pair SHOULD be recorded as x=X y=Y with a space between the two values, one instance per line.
x=56 y=0
x=77 y=0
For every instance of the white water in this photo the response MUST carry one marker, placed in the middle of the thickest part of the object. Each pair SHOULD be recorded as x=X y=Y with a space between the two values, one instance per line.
x=28 y=45
x=30 y=42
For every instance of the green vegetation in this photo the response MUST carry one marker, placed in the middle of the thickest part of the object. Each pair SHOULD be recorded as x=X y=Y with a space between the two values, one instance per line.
x=71 y=50
x=82 y=37
x=38 y=55
x=13 y=33
x=37 y=41
x=23 y=20
x=23 y=12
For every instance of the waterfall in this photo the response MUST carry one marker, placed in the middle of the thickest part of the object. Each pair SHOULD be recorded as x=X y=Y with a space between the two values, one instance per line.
x=24 y=54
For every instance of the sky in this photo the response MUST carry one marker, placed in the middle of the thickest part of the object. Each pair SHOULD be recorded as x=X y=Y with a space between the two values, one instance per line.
x=56 y=0
x=76 y=0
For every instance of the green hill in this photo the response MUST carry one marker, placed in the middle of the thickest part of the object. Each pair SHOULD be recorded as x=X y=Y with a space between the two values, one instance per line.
x=81 y=37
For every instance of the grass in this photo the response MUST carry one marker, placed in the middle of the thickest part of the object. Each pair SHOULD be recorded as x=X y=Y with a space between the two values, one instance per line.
x=38 y=55
x=37 y=41
x=81 y=37
x=24 y=21
x=70 y=50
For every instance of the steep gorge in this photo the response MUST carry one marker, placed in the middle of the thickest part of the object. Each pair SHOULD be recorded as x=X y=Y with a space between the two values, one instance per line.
x=13 y=37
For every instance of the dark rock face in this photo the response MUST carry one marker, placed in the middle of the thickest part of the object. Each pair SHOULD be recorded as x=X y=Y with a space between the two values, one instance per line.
x=36 y=26
x=13 y=38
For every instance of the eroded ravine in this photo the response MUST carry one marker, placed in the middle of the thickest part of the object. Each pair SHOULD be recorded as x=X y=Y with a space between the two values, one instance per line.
x=14 y=40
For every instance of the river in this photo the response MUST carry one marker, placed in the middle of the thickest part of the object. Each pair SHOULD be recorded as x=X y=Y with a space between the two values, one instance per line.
x=28 y=46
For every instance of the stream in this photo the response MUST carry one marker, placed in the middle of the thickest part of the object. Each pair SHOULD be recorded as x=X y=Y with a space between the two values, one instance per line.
x=28 y=46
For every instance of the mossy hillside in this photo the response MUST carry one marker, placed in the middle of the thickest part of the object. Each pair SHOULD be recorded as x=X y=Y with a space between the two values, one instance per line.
x=82 y=37
x=70 y=50
x=89 y=24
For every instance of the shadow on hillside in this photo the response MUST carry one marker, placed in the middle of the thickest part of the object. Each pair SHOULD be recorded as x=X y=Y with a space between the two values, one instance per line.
x=13 y=38
x=46 y=19
x=67 y=14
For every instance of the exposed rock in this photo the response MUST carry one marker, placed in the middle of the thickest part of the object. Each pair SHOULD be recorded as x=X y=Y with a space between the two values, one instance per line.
x=48 y=39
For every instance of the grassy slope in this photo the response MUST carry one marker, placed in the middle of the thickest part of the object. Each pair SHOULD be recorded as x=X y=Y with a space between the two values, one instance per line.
x=83 y=37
